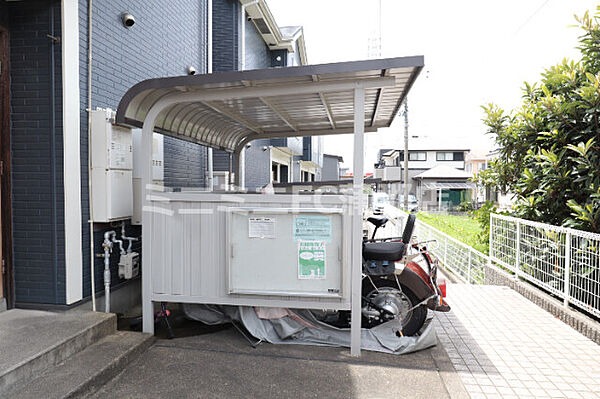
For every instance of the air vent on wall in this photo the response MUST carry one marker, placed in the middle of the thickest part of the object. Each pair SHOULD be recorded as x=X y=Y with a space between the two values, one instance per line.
x=261 y=26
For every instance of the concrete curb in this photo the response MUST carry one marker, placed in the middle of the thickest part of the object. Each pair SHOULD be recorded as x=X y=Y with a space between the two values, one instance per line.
x=448 y=374
x=583 y=324
x=449 y=275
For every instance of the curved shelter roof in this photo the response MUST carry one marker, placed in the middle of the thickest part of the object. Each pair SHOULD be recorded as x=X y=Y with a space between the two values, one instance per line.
x=226 y=110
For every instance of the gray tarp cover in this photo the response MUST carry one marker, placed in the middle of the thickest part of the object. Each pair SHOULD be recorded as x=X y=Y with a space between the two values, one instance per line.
x=299 y=326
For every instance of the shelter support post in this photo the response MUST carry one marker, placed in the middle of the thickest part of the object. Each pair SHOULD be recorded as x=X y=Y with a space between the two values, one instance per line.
x=147 y=188
x=147 y=308
x=210 y=177
x=239 y=168
x=242 y=169
x=230 y=171
x=357 y=191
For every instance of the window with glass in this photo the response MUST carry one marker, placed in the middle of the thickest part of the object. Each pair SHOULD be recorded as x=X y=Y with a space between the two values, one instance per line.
x=417 y=156
x=450 y=156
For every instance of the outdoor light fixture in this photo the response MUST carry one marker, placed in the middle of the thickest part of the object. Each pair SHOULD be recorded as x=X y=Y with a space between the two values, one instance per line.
x=278 y=58
x=127 y=19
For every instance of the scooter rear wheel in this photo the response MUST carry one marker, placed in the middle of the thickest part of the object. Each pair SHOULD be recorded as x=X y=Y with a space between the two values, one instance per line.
x=412 y=320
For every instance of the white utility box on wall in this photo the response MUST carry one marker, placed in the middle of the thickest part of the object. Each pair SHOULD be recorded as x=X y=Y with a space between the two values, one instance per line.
x=158 y=169
x=111 y=168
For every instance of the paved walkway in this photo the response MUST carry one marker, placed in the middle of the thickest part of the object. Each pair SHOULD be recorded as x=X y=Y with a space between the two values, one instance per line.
x=222 y=364
x=504 y=346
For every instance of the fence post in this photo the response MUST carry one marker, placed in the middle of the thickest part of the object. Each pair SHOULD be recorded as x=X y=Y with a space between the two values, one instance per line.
x=469 y=268
x=491 y=244
x=567 y=269
x=518 y=250
x=445 y=251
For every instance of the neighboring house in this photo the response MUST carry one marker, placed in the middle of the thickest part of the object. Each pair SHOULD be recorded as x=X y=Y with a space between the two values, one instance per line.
x=475 y=162
x=421 y=158
x=45 y=204
x=331 y=167
x=503 y=200
x=443 y=187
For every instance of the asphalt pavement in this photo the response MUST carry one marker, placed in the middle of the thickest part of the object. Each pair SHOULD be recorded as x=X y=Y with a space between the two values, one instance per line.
x=222 y=364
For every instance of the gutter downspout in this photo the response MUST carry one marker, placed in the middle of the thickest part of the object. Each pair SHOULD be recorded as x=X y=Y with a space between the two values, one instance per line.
x=53 y=151
x=89 y=121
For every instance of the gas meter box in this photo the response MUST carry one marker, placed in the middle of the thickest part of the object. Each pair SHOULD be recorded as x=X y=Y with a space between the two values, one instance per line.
x=129 y=265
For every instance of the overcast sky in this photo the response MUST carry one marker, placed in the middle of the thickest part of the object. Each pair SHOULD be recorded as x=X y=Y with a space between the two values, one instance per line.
x=476 y=52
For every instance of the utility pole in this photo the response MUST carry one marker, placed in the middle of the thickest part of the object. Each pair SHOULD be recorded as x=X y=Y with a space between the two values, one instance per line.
x=406 y=154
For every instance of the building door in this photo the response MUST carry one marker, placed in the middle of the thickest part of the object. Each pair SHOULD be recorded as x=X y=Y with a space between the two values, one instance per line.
x=6 y=288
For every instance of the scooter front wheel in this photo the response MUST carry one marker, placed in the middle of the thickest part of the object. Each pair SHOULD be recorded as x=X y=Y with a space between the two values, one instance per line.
x=398 y=302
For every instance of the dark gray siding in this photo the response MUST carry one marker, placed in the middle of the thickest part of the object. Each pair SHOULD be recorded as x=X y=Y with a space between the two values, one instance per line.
x=258 y=55
x=313 y=151
x=36 y=141
x=226 y=22
x=225 y=58
x=167 y=38
x=185 y=163
x=258 y=165
x=3 y=14
x=296 y=177
x=331 y=168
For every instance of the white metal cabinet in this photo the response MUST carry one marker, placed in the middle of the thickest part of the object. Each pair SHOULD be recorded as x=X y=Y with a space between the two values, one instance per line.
x=111 y=167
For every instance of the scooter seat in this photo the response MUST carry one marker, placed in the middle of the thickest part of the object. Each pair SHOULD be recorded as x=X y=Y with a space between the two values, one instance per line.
x=377 y=221
x=389 y=250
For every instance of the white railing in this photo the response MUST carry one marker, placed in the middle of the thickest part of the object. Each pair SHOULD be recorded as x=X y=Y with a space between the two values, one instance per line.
x=465 y=262
x=565 y=262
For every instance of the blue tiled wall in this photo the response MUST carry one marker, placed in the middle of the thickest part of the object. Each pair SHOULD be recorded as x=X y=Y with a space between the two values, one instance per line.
x=36 y=147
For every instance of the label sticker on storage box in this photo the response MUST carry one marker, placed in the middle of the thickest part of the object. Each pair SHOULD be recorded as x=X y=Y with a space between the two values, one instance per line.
x=312 y=228
x=311 y=260
x=261 y=227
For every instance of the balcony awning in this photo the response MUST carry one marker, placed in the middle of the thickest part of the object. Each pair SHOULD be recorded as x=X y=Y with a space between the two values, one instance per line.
x=227 y=110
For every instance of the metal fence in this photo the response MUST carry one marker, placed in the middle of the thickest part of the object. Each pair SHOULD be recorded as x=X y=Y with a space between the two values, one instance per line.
x=465 y=262
x=562 y=261
x=565 y=262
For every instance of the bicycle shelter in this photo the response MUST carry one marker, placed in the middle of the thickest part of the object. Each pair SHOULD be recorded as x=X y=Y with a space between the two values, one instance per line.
x=205 y=247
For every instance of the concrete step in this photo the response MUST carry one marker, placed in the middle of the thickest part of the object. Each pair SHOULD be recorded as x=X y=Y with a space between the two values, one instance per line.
x=87 y=371
x=33 y=341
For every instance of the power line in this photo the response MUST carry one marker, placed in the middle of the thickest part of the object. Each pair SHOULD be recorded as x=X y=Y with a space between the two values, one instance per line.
x=531 y=16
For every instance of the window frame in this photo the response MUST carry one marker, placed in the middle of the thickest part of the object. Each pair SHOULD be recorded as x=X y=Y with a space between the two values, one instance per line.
x=410 y=158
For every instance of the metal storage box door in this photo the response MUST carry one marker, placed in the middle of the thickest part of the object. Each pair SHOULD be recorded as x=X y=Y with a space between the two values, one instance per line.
x=261 y=264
